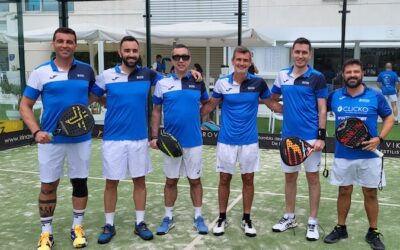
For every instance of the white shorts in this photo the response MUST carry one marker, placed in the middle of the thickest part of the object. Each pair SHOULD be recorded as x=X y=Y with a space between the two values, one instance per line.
x=362 y=172
x=189 y=164
x=311 y=164
x=126 y=158
x=391 y=98
x=51 y=160
x=248 y=157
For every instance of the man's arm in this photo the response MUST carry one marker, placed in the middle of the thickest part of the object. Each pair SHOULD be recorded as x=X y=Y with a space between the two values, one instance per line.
x=155 y=125
x=196 y=75
x=26 y=111
x=273 y=104
x=320 y=143
x=209 y=106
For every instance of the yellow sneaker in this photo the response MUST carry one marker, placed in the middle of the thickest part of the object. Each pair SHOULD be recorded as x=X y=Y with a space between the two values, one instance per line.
x=78 y=237
x=46 y=241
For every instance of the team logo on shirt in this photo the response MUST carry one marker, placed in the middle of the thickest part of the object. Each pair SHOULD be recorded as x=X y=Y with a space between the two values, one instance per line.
x=171 y=87
x=305 y=82
x=342 y=97
x=251 y=88
x=80 y=75
x=192 y=86
x=139 y=77
x=115 y=78
x=53 y=76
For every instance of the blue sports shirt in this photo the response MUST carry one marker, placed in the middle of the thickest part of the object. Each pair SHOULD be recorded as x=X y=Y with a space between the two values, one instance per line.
x=300 y=107
x=388 y=80
x=126 y=116
x=59 y=90
x=366 y=106
x=239 y=108
x=180 y=99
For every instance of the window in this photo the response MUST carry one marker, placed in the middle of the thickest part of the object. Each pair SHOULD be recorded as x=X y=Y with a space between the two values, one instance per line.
x=45 y=5
x=327 y=60
x=374 y=60
x=4 y=7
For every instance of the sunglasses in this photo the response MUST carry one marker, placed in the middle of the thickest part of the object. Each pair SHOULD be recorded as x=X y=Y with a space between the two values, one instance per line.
x=179 y=57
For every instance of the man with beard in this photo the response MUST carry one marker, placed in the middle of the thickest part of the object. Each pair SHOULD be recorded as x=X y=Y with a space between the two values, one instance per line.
x=125 y=144
x=125 y=140
x=359 y=166
x=304 y=93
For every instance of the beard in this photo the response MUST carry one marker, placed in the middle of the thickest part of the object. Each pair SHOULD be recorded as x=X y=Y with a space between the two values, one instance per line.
x=128 y=63
x=353 y=85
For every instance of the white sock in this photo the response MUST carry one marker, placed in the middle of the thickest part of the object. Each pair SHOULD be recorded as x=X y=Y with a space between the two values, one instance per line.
x=109 y=218
x=197 y=212
x=78 y=217
x=289 y=215
x=46 y=224
x=312 y=221
x=168 y=212
x=139 y=216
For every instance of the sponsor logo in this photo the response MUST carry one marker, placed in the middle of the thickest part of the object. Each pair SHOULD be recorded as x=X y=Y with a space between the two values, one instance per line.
x=171 y=87
x=251 y=88
x=80 y=75
x=342 y=97
x=353 y=109
x=139 y=77
x=115 y=78
x=305 y=82
x=192 y=86
x=53 y=76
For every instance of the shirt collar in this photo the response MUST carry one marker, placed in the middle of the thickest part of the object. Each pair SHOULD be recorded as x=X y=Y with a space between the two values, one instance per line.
x=344 y=91
x=118 y=69
x=306 y=74
x=248 y=77
x=54 y=66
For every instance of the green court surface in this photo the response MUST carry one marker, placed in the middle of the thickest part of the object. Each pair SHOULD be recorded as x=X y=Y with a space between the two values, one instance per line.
x=20 y=228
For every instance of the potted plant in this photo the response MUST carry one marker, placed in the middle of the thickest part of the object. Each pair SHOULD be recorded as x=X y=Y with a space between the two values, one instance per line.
x=14 y=92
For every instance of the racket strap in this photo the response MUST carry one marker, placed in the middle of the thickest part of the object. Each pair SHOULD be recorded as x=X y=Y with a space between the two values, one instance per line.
x=380 y=186
x=325 y=173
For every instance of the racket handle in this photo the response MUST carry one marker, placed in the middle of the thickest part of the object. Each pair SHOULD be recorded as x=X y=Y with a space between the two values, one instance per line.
x=378 y=153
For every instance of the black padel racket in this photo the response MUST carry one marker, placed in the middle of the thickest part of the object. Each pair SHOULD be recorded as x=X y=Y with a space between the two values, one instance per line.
x=294 y=151
x=76 y=120
x=352 y=132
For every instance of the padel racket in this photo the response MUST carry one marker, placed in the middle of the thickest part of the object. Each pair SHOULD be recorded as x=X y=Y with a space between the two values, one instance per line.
x=352 y=132
x=294 y=151
x=76 y=120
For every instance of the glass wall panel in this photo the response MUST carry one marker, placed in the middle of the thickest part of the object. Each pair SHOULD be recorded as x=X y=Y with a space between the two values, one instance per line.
x=374 y=59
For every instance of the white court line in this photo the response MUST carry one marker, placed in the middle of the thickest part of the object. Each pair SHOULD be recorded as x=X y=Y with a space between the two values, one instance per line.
x=213 y=188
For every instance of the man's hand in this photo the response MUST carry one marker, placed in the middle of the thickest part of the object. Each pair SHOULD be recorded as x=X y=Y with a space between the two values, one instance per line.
x=319 y=145
x=153 y=144
x=372 y=144
x=197 y=75
x=42 y=137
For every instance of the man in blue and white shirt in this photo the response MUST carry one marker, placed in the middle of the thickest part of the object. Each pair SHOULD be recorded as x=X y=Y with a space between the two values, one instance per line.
x=125 y=143
x=60 y=82
x=179 y=96
x=240 y=94
x=304 y=93
x=359 y=166
x=388 y=82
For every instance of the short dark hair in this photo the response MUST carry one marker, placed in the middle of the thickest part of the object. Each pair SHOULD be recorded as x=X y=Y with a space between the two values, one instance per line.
x=180 y=46
x=242 y=50
x=352 y=61
x=129 y=39
x=159 y=56
x=64 y=30
x=302 y=40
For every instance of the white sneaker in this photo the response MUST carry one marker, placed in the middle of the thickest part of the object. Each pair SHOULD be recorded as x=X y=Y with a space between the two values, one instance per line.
x=219 y=228
x=284 y=224
x=312 y=232
x=248 y=228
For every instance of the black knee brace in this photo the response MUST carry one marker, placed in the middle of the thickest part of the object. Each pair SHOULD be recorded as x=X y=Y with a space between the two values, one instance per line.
x=79 y=187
